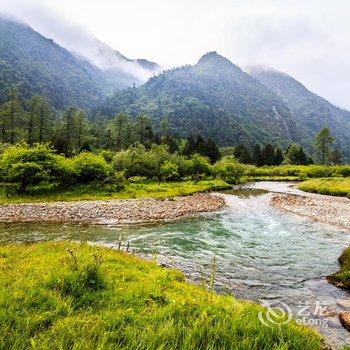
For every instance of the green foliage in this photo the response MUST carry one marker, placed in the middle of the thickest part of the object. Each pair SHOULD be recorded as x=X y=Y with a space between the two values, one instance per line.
x=169 y=171
x=36 y=65
x=334 y=186
x=31 y=165
x=132 y=304
x=229 y=170
x=342 y=277
x=213 y=98
x=89 y=167
x=323 y=141
x=310 y=111
x=200 y=166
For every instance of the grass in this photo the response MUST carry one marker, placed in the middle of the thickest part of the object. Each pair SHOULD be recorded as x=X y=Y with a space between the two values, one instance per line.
x=333 y=187
x=296 y=172
x=97 y=298
x=342 y=278
x=139 y=189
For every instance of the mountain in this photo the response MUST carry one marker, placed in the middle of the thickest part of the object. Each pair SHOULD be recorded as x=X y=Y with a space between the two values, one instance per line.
x=35 y=64
x=310 y=111
x=213 y=97
x=119 y=70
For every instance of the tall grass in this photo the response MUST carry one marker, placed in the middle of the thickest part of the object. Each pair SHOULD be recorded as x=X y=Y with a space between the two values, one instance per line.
x=333 y=187
x=131 y=189
x=297 y=172
x=342 y=277
x=48 y=301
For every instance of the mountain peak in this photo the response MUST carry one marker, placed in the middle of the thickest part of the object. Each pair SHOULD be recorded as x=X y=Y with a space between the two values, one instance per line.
x=213 y=58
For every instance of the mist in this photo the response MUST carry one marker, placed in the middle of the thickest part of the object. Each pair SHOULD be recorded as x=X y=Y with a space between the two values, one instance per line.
x=72 y=37
x=307 y=40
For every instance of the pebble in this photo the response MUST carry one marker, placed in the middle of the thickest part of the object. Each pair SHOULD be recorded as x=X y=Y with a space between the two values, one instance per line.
x=131 y=211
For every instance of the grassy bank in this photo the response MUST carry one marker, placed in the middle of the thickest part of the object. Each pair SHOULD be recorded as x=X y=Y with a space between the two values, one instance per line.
x=334 y=187
x=139 y=189
x=295 y=172
x=97 y=298
x=342 y=277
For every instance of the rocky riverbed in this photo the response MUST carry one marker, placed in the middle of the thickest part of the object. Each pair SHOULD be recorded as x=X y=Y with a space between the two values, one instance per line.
x=334 y=211
x=123 y=212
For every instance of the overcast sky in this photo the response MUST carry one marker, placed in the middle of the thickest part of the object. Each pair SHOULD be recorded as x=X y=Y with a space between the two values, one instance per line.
x=308 y=39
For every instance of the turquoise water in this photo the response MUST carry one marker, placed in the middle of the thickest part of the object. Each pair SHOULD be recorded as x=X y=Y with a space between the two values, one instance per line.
x=260 y=254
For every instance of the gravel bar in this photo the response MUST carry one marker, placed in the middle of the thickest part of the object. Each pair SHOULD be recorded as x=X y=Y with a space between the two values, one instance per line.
x=123 y=212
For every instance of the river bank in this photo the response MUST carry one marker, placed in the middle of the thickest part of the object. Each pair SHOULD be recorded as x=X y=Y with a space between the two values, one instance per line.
x=118 y=212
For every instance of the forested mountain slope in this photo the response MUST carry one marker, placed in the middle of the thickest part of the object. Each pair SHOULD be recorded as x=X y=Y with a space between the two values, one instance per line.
x=35 y=64
x=310 y=111
x=215 y=98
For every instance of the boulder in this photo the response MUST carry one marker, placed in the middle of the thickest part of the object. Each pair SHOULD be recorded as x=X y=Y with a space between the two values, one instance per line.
x=344 y=318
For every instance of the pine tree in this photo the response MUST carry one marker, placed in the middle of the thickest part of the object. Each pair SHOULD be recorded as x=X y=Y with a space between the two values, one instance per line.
x=278 y=158
x=212 y=151
x=268 y=154
x=323 y=141
x=336 y=157
x=257 y=156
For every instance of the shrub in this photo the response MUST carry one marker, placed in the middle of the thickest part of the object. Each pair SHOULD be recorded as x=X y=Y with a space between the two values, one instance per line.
x=89 y=167
x=107 y=155
x=169 y=171
x=228 y=169
x=199 y=166
x=31 y=165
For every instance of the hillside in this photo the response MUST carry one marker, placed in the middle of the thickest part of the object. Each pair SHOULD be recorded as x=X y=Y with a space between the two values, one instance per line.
x=35 y=64
x=310 y=111
x=215 y=98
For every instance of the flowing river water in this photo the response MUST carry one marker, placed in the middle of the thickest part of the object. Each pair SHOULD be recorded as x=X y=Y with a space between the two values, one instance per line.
x=261 y=254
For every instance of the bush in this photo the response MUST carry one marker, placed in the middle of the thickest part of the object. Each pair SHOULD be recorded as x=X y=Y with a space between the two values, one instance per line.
x=169 y=171
x=31 y=165
x=199 y=166
x=228 y=169
x=89 y=167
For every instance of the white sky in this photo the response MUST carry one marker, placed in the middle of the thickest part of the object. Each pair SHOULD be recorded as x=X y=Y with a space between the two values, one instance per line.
x=308 y=39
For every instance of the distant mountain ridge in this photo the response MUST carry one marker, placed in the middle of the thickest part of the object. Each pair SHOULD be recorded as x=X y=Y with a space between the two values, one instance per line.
x=35 y=64
x=310 y=111
x=213 y=97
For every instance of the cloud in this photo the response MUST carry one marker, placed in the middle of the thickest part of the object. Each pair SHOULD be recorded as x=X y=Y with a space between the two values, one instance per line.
x=309 y=40
x=71 y=36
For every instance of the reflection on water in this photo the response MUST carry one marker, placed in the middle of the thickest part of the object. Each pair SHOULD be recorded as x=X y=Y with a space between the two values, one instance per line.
x=261 y=253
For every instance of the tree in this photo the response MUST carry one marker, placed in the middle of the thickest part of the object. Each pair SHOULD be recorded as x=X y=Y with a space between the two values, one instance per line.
x=278 y=158
x=257 y=156
x=243 y=155
x=11 y=113
x=190 y=147
x=323 y=141
x=212 y=151
x=38 y=123
x=268 y=154
x=293 y=154
x=336 y=157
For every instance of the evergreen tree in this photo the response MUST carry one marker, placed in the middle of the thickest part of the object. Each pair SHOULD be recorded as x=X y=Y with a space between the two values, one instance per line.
x=302 y=157
x=243 y=155
x=11 y=113
x=336 y=157
x=268 y=154
x=278 y=158
x=190 y=147
x=257 y=156
x=212 y=151
x=323 y=141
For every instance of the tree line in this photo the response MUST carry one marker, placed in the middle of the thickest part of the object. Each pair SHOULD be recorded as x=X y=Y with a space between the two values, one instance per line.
x=70 y=132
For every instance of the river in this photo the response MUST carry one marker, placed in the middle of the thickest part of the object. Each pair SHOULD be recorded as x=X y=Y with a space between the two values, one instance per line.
x=261 y=254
